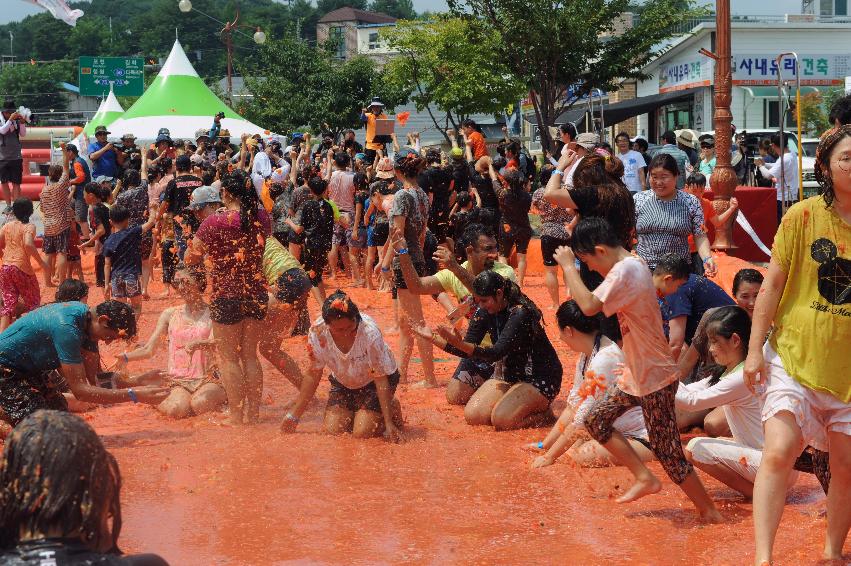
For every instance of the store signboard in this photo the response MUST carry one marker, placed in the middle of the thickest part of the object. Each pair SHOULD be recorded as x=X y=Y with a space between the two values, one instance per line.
x=685 y=74
x=761 y=69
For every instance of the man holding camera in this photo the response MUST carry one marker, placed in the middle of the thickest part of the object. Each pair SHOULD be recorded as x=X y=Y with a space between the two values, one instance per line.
x=103 y=154
x=12 y=129
x=129 y=155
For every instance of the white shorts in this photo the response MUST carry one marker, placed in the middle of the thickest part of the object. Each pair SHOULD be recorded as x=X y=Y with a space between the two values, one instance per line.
x=816 y=412
x=738 y=458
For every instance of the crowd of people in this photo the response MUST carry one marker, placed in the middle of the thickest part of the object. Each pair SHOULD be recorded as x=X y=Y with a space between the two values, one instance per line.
x=247 y=236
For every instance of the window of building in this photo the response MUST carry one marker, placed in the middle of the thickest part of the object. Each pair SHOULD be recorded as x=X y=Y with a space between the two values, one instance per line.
x=772 y=115
x=833 y=7
x=337 y=36
x=373 y=40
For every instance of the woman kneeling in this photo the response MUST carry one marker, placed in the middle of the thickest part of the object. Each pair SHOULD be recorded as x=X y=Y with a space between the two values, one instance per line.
x=531 y=378
x=195 y=387
x=364 y=374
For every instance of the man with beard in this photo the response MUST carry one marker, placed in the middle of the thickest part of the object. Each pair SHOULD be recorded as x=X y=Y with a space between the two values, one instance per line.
x=482 y=252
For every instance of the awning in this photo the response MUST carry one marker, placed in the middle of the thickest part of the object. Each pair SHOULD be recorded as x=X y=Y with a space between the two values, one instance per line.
x=771 y=91
x=620 y=111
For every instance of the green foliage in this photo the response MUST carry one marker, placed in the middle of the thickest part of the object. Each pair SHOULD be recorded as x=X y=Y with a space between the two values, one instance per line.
x=402 y=9
x=451 y=63
x=35 y=86
x=296 y=85
x=815 y=108
x=560 y=50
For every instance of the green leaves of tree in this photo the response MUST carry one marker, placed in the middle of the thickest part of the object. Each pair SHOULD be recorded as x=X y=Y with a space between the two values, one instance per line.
x=296 y=85
x=453 y=63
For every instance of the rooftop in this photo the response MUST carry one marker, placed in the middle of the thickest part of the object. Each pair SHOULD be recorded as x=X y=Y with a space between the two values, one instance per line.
x=349 y=14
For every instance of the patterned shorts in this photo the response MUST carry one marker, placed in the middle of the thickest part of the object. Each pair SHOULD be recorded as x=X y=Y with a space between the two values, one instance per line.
x=15 y=284
x=658 y=410
x=57 y=244
x=125 y=286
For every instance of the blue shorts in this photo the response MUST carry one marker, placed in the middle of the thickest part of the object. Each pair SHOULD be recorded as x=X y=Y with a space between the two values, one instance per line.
x=125 y=285
x=357 y=239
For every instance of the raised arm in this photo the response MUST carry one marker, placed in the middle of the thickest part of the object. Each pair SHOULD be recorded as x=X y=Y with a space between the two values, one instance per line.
x=588 y=303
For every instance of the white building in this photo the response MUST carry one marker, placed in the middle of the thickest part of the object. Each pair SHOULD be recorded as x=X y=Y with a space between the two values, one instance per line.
x=679 y=92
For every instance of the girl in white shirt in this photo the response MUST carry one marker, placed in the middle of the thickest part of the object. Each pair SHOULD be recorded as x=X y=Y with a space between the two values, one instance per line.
x=596 y=373
x=732 y=461
x=364 y=374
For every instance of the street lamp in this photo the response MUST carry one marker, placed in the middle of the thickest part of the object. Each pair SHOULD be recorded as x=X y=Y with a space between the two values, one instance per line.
x=259 y=37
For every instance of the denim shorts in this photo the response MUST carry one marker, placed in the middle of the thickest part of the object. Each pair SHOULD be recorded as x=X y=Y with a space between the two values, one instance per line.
x=125 y=285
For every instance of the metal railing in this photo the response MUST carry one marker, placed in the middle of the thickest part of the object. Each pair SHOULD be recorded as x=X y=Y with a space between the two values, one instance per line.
x=692 y=23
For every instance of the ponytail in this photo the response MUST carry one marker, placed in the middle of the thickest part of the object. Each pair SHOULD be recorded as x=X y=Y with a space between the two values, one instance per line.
x=487 y=283
x=240 y=186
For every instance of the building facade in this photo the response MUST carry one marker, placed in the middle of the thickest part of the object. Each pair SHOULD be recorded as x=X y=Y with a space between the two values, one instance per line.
x=354 y=32
x=682 y=79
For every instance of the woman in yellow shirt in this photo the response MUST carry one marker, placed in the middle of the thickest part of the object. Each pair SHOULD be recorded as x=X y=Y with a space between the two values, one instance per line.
x=803 y=371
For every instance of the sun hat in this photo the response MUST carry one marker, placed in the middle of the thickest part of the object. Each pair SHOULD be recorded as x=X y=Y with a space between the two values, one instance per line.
x=588 y=140
x=128 y=137
x=687 y=138
x=376 y=101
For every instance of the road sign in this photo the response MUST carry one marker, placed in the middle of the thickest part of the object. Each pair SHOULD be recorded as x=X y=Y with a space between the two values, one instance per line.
x=126 y=74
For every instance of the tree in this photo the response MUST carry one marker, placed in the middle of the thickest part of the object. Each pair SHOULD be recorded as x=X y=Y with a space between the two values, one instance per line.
x=451 y=63
x=560 y=50
x=401 y=9
x=35 y=86
x=815 y=107
x=296 y=85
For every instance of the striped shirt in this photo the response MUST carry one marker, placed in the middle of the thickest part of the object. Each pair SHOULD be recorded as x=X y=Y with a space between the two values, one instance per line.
x=663 y=227
x=56 y=207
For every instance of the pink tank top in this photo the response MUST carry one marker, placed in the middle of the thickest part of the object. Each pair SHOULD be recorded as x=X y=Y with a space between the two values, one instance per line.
x=182 y=330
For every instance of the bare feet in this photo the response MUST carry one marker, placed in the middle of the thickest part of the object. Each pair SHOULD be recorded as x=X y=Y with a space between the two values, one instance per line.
x=542 y=461
x=640 y=488
x=423 y=384
x=711 y=516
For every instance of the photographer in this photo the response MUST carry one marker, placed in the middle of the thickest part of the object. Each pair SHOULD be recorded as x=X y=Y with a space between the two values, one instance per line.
x=13 y=128
x=103 y=154
x=350 y=144
x=221 y=137
x=129 y=155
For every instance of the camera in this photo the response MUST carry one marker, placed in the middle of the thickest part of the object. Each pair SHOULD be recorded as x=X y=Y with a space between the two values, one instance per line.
x=220 y=115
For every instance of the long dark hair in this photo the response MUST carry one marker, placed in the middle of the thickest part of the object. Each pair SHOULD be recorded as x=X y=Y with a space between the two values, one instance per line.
x=57 y=475
x=599 y=191
x=488 y=282
x=240 y=186
x=823 y=152
x=725 y=322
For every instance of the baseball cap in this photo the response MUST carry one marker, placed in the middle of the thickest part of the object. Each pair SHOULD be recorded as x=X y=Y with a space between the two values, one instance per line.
x=457 y=153
x=202 y=196
x=384 y=169
x=183 y=161
x=201 y=133
x=101 y=130
x=128 y=137
x=587 y=140
x=102 y=179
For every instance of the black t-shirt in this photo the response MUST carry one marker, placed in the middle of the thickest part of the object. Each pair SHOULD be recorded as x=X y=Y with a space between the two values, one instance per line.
x=67 y=552
x=436 y=181
x=317 y=219
x=515 y=208
x=484 y=186
x=179 y=190
x=460 y=178
x=99 y=216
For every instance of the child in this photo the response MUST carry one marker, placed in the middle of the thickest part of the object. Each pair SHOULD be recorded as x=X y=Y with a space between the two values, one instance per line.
x=316 y=219
x=364 y=374
x=650 y=377
x=685 y=299
x=514 y=203
x=122 y=253
x=75 y=266
x=99 y=226
x=600 y=359
x=17 y=278
x=732 y=462
x=58 y=218
x=696 y=185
